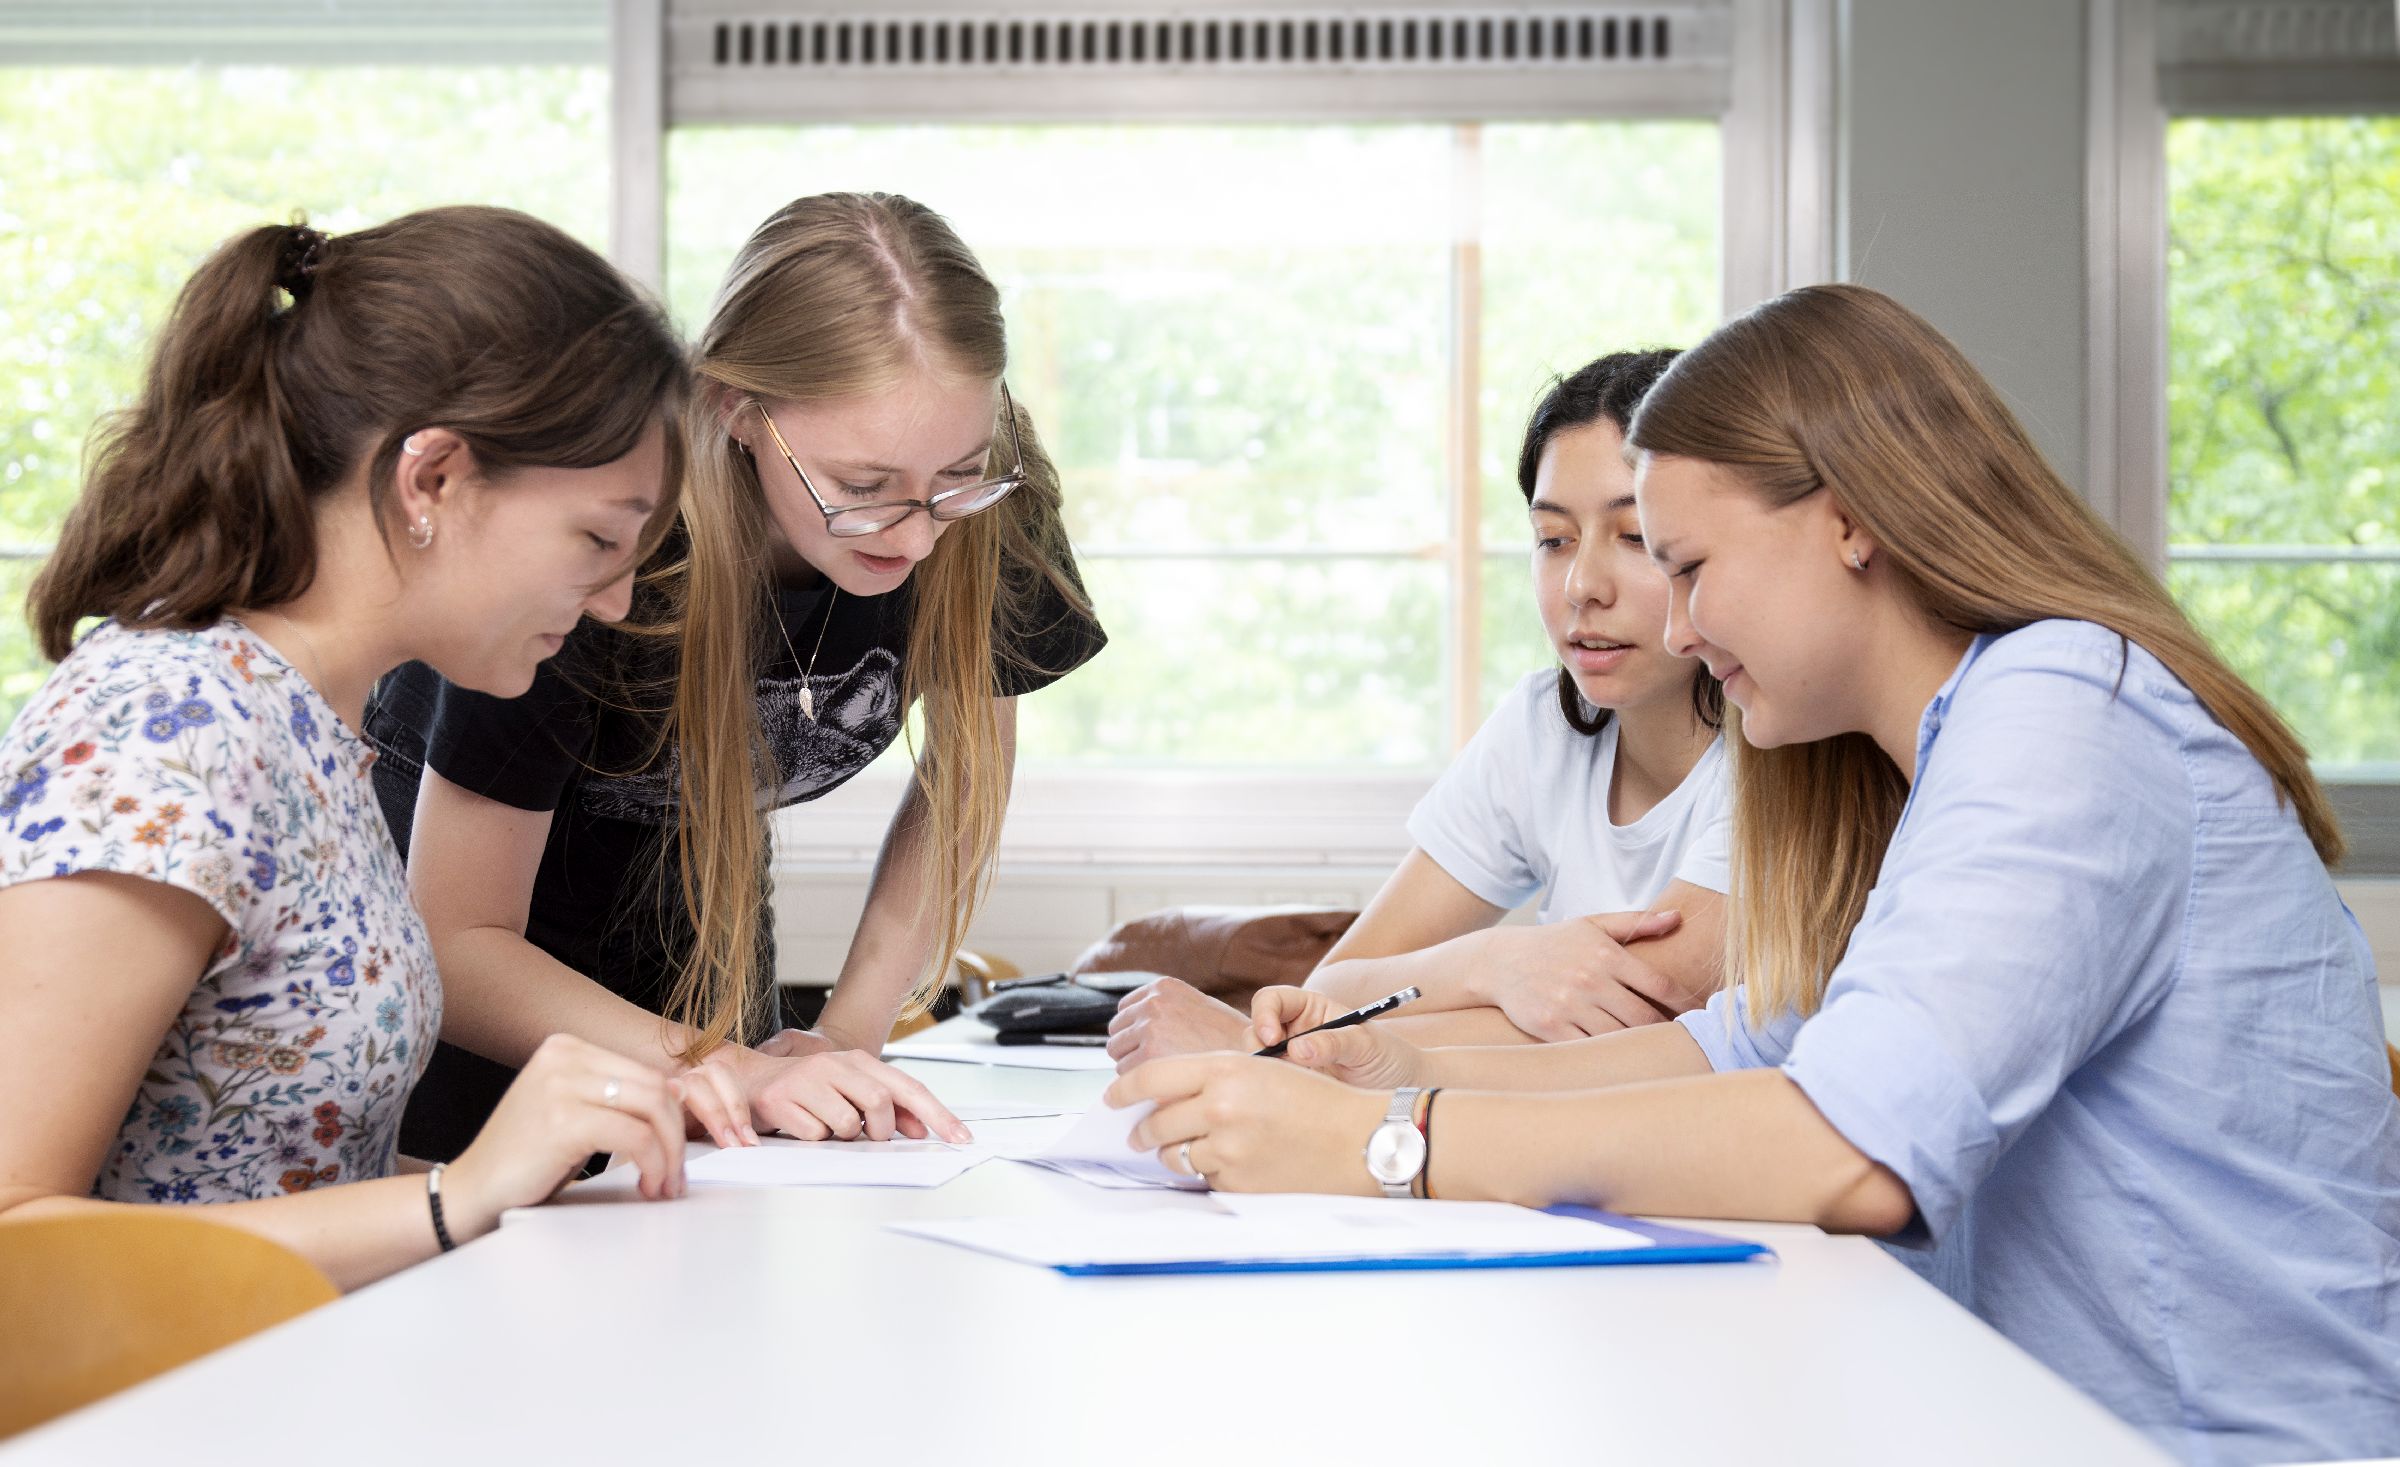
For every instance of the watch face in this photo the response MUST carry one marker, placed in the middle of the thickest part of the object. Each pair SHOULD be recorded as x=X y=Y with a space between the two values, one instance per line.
x=1396 y=1152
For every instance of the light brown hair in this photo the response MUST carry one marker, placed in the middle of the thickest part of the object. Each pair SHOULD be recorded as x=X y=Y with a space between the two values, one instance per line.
x=289 y=359
x=834 y=296
x=1841 y=389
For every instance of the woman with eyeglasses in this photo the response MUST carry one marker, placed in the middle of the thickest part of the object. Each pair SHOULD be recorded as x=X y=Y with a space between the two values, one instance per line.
x=868 y=526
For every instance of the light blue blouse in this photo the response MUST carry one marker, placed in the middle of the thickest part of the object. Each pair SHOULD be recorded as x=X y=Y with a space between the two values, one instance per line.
x=2107 y=1018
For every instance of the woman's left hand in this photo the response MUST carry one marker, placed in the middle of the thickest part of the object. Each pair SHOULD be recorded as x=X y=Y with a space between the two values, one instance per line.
x=841 y=1095
x=1255 y=1125
x=793 y=1043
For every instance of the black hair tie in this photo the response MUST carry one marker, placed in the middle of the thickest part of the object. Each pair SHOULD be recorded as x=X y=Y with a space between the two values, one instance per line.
x=297 y=263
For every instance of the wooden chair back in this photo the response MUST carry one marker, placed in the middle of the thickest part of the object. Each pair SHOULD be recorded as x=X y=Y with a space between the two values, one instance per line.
x=102 y=1301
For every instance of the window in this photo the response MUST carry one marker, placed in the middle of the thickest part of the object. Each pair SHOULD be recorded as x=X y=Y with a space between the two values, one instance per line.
x=2246 y=155
x=1255 y=351
x=2283 y=508
x=116 y=180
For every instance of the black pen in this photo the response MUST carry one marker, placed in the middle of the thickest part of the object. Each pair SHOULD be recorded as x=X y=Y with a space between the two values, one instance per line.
x=1375 y=1010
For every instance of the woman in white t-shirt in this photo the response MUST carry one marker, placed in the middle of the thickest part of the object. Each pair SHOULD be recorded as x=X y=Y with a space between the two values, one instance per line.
x=1598 y=784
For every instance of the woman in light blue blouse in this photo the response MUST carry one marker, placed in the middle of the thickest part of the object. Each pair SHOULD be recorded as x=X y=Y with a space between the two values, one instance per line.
x=2042 y=974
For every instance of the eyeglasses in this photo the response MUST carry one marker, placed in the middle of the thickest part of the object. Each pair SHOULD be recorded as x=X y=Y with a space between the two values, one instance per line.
x=851 y=520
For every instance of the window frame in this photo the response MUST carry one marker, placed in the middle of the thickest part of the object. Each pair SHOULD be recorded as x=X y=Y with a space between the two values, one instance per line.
x=2152 y=61
x=1775 y=113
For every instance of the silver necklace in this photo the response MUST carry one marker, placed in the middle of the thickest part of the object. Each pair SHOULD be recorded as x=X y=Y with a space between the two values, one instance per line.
x=808 y=691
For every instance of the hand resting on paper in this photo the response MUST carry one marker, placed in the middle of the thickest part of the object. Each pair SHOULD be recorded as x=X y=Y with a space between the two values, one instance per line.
x=1254 y=1125
x=840 y=1095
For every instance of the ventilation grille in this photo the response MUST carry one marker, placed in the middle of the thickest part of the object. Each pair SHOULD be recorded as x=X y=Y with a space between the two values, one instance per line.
x=2275 y=32
x=966 y=43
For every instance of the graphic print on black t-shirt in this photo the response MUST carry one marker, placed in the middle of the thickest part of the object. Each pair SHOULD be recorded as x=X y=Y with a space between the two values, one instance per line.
x=858 y=716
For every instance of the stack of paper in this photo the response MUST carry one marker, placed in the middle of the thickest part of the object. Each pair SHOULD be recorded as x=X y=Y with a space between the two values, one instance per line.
x=983 y=1051
x=1282 y=1233
x=778 y=1161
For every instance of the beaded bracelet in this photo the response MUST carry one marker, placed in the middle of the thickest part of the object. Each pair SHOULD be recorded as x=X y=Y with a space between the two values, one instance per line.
x=433 y=1200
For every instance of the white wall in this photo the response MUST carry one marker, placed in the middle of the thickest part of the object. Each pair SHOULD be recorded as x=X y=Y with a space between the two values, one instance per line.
x=1960 y=187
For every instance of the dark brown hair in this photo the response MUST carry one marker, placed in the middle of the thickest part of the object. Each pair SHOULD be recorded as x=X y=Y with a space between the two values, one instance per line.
x=1610 y=387
x=290 y=359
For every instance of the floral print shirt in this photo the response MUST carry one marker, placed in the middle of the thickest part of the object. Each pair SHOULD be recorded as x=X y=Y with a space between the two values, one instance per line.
x=204 y=761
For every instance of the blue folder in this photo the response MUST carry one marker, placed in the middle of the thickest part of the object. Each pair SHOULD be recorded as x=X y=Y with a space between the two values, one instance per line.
x=1667 y=1245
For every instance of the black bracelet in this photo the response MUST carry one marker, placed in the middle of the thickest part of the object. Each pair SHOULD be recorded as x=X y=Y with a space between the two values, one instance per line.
x=433 y=1199
x=1424 y=1187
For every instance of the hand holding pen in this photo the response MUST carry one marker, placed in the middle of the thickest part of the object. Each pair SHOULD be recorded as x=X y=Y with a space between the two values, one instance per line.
x=1375 y=1010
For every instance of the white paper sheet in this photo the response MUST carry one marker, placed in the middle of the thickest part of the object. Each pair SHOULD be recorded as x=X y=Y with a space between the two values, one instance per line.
x=1278 y=1229
x=1012 y=1056
x=777 y=1162
x=1096 y=1149
x=1018 y=1111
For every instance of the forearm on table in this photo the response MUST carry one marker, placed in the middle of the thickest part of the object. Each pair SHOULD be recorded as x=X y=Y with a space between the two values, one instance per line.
x=1746 y=1145
x=1439 y=974
x=1627 y=1057
x=1692 y=957
x=355 y=1233
x=502 y=996
x=1479 y=1027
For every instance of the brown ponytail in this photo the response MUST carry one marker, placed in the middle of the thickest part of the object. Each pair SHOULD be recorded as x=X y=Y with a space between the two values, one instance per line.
x=290 y=359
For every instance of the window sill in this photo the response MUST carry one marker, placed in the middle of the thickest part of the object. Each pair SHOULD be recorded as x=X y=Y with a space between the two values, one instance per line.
x=1155 y=818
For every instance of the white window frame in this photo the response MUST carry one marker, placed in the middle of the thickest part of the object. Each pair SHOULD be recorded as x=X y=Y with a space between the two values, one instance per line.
x=1775 y=106
x=2152 y=60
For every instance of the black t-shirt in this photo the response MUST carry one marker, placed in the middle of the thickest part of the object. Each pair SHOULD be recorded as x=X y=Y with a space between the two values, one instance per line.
x=582 y=744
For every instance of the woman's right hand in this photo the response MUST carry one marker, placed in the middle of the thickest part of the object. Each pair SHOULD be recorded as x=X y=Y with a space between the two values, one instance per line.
x=571 y=1100
x=1363 y=1054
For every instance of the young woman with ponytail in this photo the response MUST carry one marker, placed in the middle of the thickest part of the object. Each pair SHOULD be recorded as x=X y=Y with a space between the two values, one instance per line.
x=602 y=842
x=2037 y=966
x=444 y=438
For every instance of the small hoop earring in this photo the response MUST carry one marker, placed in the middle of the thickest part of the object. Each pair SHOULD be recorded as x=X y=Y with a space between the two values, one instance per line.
x=1856 y=563
x=420 y=534
x=411 y=447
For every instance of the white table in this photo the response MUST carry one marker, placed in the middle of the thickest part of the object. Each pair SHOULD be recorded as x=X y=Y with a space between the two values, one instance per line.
x=788 y=1327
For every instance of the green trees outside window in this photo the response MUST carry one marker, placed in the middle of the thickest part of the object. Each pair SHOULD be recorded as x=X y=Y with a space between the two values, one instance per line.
x=2283 y=407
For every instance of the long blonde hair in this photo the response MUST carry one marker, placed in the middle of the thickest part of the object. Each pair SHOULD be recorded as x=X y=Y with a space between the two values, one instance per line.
x=1841 y=388
x=833 y=296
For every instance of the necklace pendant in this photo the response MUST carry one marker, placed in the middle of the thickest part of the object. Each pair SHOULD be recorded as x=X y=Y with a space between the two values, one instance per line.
x=808 y=702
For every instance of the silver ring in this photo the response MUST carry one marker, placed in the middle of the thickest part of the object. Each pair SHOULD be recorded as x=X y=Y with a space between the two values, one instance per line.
x=1190 y=1165
x=610 y=1091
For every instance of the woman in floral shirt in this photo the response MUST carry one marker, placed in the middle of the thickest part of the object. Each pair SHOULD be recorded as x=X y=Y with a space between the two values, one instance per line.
x=447 y=437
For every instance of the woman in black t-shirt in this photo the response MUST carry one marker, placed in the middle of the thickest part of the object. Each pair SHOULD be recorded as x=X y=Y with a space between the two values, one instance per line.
x=868 y=526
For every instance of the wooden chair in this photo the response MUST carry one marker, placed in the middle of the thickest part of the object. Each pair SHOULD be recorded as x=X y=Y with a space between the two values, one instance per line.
x=103 y=1301
x=973 y=975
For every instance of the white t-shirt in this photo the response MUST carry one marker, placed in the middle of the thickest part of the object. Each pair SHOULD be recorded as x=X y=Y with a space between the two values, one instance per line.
x=1524 y=809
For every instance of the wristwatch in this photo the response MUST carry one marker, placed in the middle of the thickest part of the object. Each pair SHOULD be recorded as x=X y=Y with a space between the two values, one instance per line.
x=1396 y=1149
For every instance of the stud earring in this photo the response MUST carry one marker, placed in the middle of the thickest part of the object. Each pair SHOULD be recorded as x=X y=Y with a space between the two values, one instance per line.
x=1856 y=563
x=420 y=534
x=411 y=447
